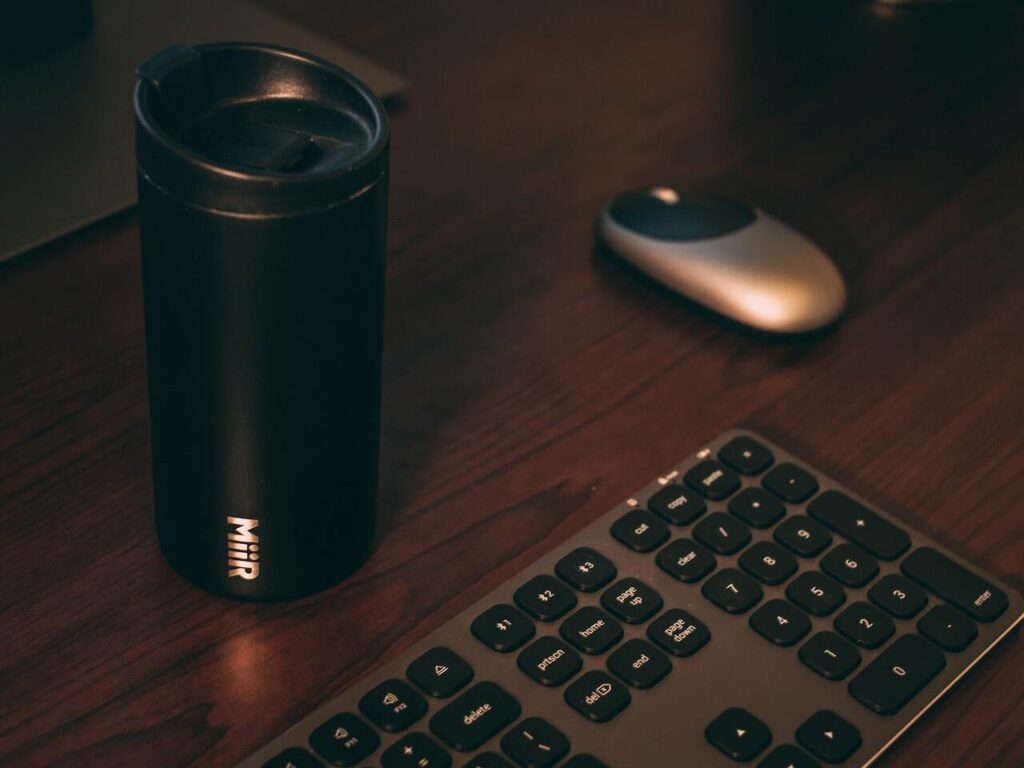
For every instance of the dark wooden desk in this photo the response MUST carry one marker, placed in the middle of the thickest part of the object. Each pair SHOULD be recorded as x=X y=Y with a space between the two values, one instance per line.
x=531 y=383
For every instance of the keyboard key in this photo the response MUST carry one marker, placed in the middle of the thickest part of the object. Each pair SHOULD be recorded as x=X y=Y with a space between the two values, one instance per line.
x=947 y=628
x=802 y=536
x=686 y=560
x=865 y=625
x=641 y=531
x=738 y=734
x=474 y=716
x=585 y=569
x=955 y=584
x=849 y=565
x=788 y=756
x=343 y=740
x=722 y=533
x=591 y=630
x=549 y=661
x=639 y=663
x=899 y=672
x=790 y=483
x=439 y=672
x=816 y=593
x=746 y=455
x=597 y=696
x=829 y=736
x=584 y=761
x=712 y=479
x=859 y=524
x=829 y=655
x=768 y=562
x=415 y=750
x=502 y=628
x=677 y=505
x=780 y=622
x=732 y=591
x=898 y=595
x=535 y=743
x=678 y=632
x=295 y=757
x=756 y=507
x=545 y=598
x=393 y=705
x=631 y=600
x=488 y=760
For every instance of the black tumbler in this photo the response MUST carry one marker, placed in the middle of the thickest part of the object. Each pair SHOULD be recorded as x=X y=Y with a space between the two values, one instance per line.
x=262 y=178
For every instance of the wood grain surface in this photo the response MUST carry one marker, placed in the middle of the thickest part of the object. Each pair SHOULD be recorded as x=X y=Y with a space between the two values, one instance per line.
x=530 y=381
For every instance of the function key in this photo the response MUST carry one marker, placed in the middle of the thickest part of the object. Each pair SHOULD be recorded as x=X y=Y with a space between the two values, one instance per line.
x=597 y=696
x=802 y=536
x=849 y=565
x=859 y=524
x=488 y=760
x=474 y=716
x=584 y=761
x=746 y=455
x=768 y=562
x=640 y=530
x=342 y=740
x=780 y=622
x=712 y=479
x=545 y=598
x=955 y=584
x=790 y=483
x=686 y=560
x=738 y=734
x=591 y=630
x=535 y=743
x=815 y=593
x=639 y=663
x=678 y=632
x=677 y=504
x=897 y=674
x=439 y=672
x=393 y=705
x=632 y=601
x=295 y=758
x=723 y=533
x=549 y=661
x=867 y=626
x=757 y=507
x=788 y=756
x=898 y=595
x=732 y=591
x=947 y=628
x=829 y=655
x=502 y=627
x=829 y=736
x=585 y=569
x=415 y=750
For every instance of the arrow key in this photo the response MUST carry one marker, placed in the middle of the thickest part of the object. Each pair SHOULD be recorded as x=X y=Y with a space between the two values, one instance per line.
x=738 y=734
x=829 y=736
x=788 y=756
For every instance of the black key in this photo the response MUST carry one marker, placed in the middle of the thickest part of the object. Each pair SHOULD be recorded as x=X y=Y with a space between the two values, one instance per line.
x=393 y=705
x=488 y=760
x=732 y=591
x=439 y=672
x=585 y=569
x=955 y=584
x=723 y=533
x=503 y=628
x=756 y=507
x=829 y=736
x=591 y=630
x=639 y=530
x=898 y=595
x=584 y=761
x=639 y=663
x=597 y=696
x=738 y=734
x=415 y=750
x=294 y=758
x=899 y=672
x=746 y=455
x=802 y=536
x=343 y=740
x=829 y=655
x=948 y=628
x=788 y=756
x=816 y=593
x=549 y=661
x=474 y=716
x=790 y=483
x=849 y=565
x=545 y=598
x=686 y=560
x=678 y=632
x=780 y=622
x=712 y=479
x=867 y=626
x=631 y=600
x=768 y=562
x=859 y=524
x=677 y=504
x=535 y=743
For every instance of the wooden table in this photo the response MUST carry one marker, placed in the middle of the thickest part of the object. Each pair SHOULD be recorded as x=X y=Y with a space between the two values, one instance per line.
x=532 y=383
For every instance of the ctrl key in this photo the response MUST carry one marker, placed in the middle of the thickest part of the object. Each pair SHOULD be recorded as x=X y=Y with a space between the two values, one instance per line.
x=343 y=740
x=597 y=696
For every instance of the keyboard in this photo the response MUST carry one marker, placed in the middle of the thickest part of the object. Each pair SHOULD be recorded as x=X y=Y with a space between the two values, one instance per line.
x=741 y=608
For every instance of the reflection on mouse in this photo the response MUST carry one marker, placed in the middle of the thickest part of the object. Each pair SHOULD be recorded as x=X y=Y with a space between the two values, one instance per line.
x=735 y=260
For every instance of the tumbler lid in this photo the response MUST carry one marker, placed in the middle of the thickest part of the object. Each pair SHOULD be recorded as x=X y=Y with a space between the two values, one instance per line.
x=256 y=129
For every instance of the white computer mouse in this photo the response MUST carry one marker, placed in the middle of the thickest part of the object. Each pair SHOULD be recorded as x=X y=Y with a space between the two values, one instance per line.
x=733 y=259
